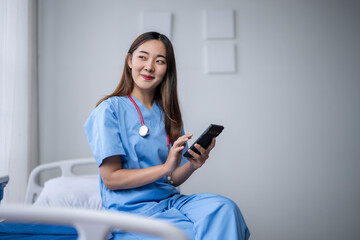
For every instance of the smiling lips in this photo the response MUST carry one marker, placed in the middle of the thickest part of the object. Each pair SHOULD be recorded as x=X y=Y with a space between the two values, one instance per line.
x=147 y=77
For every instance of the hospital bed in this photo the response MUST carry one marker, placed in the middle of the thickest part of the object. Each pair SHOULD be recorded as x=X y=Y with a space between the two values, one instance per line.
x=69 y=207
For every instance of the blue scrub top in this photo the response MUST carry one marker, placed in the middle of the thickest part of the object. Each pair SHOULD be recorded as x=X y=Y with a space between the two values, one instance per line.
x=113 y=129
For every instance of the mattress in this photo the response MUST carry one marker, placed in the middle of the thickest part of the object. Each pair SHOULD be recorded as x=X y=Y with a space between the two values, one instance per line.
x=10 y=230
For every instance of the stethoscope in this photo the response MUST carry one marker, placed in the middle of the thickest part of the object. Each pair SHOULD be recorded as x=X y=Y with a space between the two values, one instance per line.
x=144 y=130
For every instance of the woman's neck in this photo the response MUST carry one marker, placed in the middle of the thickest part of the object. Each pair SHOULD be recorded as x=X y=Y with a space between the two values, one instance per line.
x=146 y=98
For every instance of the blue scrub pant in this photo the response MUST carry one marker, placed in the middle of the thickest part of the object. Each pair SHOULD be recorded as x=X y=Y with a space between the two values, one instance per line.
x=200 y=216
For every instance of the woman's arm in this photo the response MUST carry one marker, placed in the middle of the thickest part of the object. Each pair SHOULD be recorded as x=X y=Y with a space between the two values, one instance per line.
x=115 y=177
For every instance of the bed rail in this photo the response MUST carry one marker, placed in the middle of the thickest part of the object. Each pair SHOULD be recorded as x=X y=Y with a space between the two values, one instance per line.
x=92 y=224
x=66 y=167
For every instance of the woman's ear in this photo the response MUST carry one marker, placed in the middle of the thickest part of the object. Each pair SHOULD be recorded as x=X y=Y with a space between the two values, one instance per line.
x=128 y=59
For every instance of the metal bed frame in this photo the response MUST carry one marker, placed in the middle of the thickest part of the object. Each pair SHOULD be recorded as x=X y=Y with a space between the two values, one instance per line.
x=90 y=224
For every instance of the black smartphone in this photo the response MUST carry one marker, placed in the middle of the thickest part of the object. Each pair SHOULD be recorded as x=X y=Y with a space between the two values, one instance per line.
x=205 y=139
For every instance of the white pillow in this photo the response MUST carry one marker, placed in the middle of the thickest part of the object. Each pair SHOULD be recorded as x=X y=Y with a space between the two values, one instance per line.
x=79 y=192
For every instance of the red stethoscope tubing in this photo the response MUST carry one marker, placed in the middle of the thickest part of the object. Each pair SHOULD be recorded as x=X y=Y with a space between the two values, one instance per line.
x=142 y=119
x=138 y=109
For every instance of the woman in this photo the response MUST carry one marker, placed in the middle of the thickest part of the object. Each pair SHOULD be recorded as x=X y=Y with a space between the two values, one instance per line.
x=137 y=139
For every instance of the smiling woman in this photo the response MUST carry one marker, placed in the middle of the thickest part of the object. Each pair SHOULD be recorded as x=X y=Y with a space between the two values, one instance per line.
x=140 y=170
x=165 y=94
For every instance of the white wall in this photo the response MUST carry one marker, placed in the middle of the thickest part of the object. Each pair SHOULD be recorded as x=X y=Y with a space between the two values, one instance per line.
x=289 y=155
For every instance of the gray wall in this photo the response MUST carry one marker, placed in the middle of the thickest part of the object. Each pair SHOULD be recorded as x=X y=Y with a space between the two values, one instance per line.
x=289 y=155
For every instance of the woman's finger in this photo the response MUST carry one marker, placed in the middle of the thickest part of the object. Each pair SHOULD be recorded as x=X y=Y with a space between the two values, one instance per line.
x=195 y=155
x=179 y=149
x=181 y=140
x=196 y=162
x=212 y=145
x=203 y=152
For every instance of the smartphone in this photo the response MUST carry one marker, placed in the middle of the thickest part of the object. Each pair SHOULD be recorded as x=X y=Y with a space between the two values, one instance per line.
x=205 y=139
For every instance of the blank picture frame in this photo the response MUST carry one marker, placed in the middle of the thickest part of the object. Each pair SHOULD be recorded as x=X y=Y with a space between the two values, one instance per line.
x=157 y=21
x=220 y=57
x=219 y=24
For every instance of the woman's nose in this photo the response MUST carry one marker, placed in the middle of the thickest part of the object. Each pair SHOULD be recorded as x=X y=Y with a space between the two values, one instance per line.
x=149 y=66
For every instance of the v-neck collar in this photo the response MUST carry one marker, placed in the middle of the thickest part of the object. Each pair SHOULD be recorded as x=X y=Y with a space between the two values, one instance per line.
x=154 y=108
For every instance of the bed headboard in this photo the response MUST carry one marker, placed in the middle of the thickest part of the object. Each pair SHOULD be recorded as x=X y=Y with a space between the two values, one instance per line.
x=67 y=170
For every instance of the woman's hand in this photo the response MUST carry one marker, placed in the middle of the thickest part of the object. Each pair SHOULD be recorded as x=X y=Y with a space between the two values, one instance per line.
x=182 y=173
x=175 y=154
x=199 y=159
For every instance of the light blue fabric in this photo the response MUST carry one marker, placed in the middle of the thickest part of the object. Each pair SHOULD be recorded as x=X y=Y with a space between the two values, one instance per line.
x=112 y=129
x=200 y=216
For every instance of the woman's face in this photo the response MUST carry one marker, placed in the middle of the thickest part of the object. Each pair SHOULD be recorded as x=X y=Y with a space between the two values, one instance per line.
x=148 y=65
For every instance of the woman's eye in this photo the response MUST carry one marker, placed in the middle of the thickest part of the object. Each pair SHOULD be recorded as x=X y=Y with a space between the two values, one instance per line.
x=142 y=57
x=161 y=61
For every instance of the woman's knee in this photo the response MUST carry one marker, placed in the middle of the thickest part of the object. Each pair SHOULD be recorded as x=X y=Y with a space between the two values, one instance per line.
x=220 y=201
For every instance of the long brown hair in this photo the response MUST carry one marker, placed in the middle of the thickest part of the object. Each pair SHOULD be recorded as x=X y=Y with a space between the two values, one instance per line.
x=165 y=94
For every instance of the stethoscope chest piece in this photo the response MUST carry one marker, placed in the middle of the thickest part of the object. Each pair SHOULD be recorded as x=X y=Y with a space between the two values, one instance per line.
x=143 y=131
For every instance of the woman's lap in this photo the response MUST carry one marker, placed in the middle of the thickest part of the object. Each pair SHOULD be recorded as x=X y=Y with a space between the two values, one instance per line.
x=201 y=216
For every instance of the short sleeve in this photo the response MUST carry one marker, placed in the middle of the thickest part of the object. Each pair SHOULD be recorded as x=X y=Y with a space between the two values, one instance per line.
x=103 y=132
